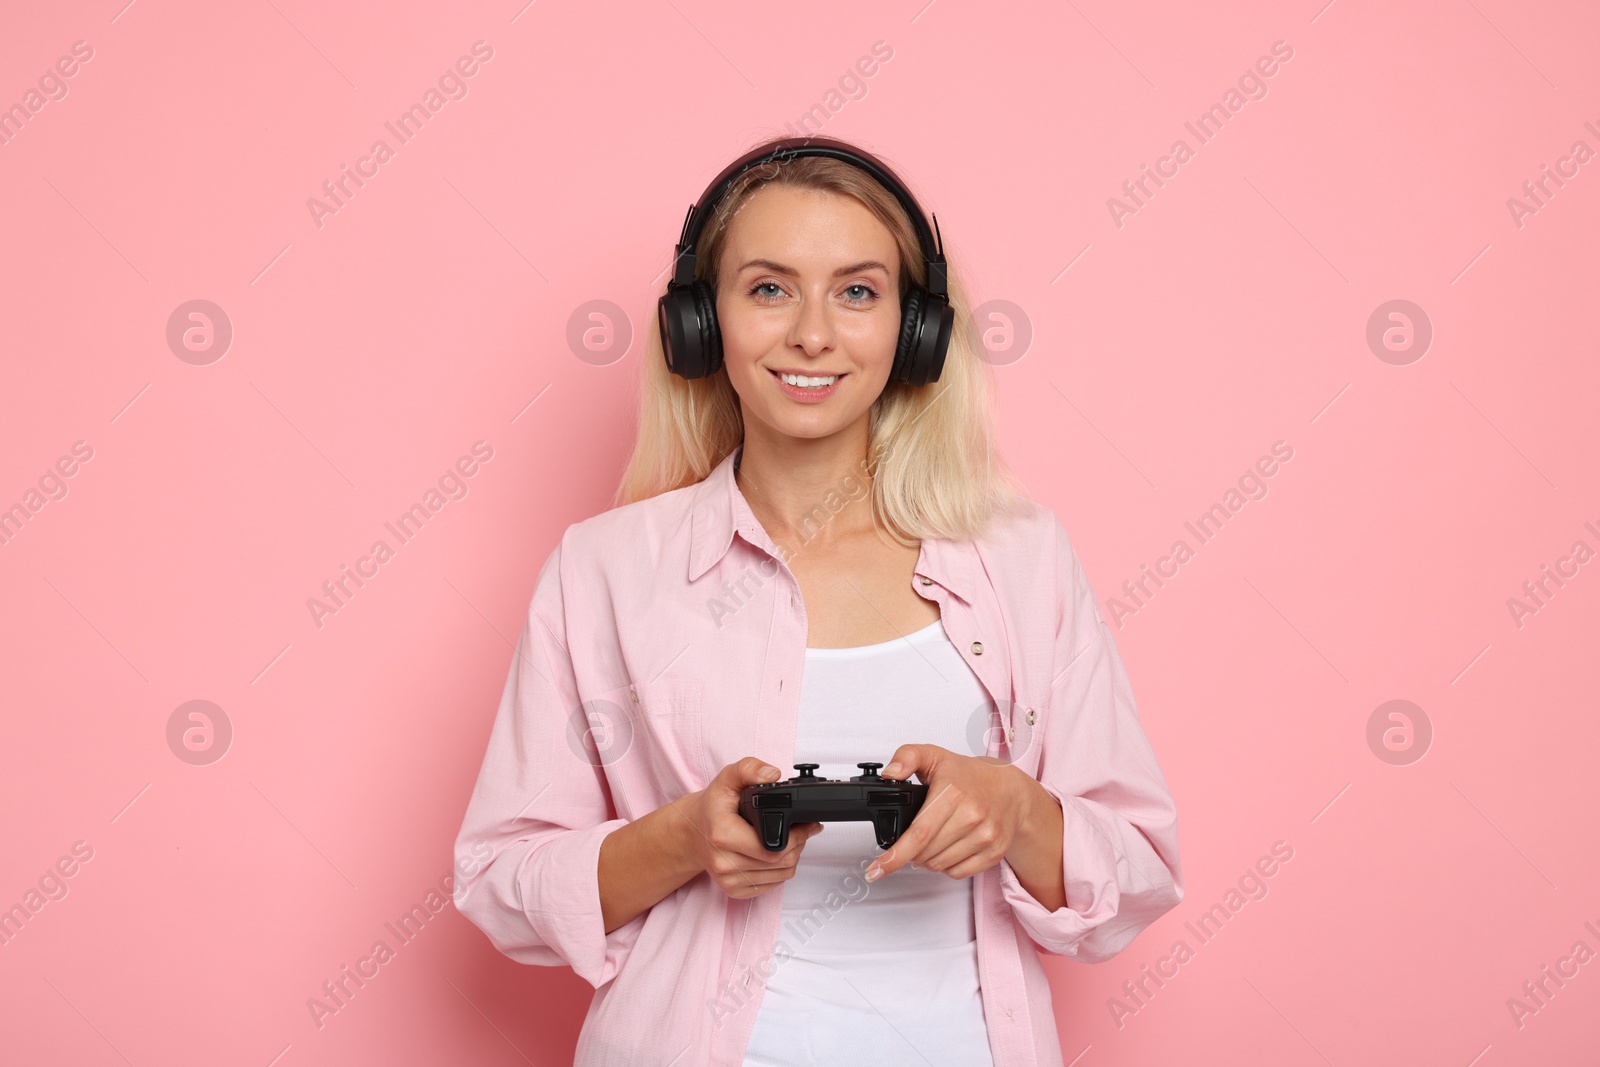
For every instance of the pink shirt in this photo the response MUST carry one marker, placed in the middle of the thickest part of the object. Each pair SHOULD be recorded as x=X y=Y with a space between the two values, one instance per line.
x=666 y=639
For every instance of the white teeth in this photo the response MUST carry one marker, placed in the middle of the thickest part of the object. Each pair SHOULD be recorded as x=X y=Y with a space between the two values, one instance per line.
x=808 y=383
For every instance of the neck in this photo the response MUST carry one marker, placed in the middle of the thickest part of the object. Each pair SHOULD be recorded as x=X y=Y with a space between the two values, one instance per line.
x=805 y=490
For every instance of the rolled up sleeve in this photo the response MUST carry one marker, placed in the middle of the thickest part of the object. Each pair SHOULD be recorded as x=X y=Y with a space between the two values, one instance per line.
x=527 y=856
x=1119 y=825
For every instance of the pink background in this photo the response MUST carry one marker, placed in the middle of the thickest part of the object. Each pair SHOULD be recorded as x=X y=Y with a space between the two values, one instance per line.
x=432 y=309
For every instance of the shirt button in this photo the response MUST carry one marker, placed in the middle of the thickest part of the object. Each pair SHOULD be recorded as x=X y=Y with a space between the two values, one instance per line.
x=926 y=581
x=1032 y=716
x=633 y=693
x=1008 y=1013
x=977 y=648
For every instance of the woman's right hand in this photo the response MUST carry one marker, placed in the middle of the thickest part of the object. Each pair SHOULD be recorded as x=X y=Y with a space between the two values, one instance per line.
x=726 y=847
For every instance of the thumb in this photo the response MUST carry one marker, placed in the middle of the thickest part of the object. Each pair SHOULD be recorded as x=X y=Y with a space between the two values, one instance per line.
x=748 y=771
x=906 y=760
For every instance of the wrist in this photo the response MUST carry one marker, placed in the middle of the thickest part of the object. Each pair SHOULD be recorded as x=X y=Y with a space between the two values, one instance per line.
x=684 y=835
x=1028 y=792
x=1032 y=819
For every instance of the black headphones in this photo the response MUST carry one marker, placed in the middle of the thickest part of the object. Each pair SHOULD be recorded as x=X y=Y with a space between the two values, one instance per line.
x=687 y=312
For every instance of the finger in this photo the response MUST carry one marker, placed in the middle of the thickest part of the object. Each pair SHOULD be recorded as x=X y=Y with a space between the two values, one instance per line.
x=955 y=830
x=799 y=834
x=748 y=891
x=946 y=860
x=730 y=862
x=782 y=863
x=727 y=836
x=741 y=841
x=923 y=760
x=756 y=873
x=907 y=760
x=974 y=864
x=705 y=833
x=732 y=834
x=929 y=821
x=760 y=878
x=722 y=795
x=751 y=770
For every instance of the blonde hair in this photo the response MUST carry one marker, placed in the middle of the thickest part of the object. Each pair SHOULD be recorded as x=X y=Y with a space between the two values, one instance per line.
x=935 y=470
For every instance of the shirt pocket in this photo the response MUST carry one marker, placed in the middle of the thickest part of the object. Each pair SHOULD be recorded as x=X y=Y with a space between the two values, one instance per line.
x=669 y=734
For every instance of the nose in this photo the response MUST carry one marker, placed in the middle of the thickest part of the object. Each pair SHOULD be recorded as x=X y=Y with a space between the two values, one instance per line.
x=812 y=329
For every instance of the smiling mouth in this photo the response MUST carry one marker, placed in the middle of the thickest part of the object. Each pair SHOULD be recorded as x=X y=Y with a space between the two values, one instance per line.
x=823 y=381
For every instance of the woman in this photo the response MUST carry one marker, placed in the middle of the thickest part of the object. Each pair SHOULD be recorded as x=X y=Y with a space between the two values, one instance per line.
x=816 y=556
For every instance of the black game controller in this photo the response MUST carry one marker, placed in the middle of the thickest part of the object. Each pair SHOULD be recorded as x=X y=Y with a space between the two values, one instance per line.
x=887 y=804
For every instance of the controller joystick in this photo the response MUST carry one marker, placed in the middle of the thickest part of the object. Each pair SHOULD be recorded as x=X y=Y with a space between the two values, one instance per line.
x=774 y=807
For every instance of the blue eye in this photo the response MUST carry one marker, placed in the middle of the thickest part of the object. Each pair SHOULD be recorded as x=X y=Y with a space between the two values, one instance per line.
x=858 y=293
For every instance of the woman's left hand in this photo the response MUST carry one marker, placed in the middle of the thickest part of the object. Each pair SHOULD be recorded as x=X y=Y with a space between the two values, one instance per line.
x=974 y=810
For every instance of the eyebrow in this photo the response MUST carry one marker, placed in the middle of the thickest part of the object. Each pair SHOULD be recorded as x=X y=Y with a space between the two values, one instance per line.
x=779 y=268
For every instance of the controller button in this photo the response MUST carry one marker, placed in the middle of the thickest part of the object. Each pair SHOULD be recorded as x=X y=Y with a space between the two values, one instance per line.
x=772 y=831
x=805 y=770
x=869 y=769
x=774 y=800
x=885 y=797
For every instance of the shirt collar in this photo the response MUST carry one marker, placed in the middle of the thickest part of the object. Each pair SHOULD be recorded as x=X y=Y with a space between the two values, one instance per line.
x=718 y=509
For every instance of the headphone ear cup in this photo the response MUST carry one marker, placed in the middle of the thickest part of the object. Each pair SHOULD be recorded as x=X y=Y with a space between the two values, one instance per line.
x=680 y=338
x=710 y=333
x=925 y=324
x=938 y=321
x=910 y=327
x=690 y=340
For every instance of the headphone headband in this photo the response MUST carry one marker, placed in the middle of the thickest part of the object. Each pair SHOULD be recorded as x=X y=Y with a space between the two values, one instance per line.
x=795 y=148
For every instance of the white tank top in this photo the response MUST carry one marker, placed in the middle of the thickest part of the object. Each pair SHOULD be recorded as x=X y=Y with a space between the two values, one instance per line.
x=882 y=972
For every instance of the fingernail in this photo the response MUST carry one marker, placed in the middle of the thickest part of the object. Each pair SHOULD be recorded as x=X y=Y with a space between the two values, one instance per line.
x=874 y=873
x=769 y=772
x=894 y=770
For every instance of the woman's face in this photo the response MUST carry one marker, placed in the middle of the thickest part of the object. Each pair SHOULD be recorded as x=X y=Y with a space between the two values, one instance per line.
x=807 y=285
